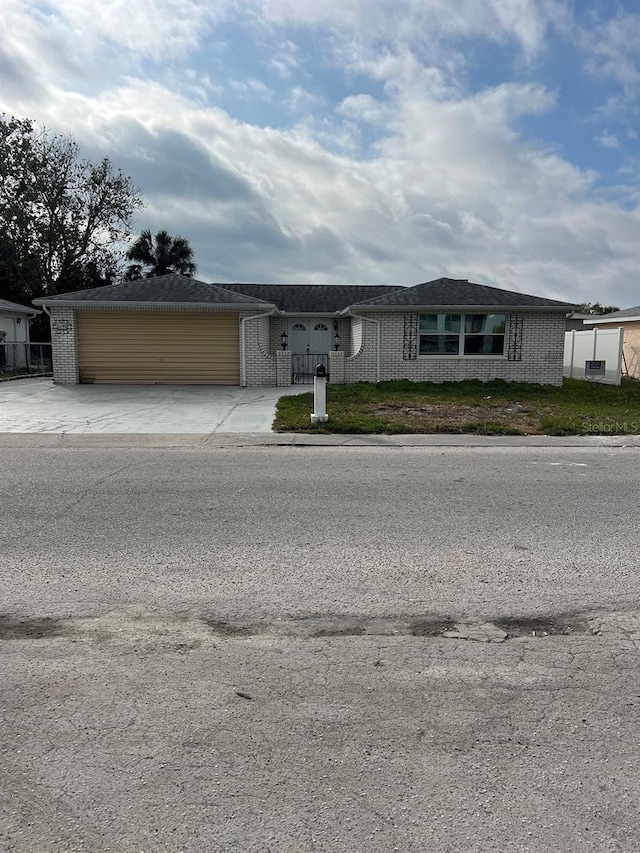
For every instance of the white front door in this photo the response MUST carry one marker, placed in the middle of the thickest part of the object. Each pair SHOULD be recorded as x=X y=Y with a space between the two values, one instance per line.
x=309 y=335
x=299 y=336
x=319 y=337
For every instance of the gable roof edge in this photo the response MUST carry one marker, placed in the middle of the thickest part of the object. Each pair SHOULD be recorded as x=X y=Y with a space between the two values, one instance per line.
x=210 y=306
x=627 y=315
x=363 y=308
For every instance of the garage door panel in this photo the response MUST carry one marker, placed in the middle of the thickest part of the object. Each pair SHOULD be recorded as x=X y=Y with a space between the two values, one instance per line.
x=158 y=347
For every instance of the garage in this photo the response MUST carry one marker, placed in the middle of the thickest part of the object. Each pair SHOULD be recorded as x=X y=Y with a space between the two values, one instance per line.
x=158 y=347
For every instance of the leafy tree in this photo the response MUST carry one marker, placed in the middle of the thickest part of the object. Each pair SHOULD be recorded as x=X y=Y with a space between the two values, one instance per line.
x=62 y=217
x=159 y=255
x=596 y=308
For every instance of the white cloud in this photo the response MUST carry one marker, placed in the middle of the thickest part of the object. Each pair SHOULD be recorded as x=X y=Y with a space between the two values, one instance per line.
x=524 y=21
x=425 y=28
x=447 y=185
x=405 y=42
x=614 y=48
x=611 y=49
x=363 y=108
x=608 y=140
x=300 y=99
x=143 y=27
x=283 y=60
x=252 y=86
x=452 y=191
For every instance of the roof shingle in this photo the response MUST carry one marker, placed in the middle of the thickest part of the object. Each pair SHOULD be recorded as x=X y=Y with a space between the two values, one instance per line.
x=13 y=306
x=625 y=314
x=163 y=288
x=312 y=298
x=453 y=293
x=309 y=298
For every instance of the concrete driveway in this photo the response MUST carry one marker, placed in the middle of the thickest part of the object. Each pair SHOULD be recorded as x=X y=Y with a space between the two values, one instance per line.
x=39 y=406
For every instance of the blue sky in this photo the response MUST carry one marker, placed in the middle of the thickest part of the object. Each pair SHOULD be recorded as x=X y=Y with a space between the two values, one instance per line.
x=363 y=141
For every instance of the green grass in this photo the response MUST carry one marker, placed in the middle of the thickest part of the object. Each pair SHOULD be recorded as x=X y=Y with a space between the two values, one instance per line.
x=490 y=408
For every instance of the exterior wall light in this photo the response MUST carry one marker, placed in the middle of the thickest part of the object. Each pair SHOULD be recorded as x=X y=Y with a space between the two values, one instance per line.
x=284 y=340
x=336 y=341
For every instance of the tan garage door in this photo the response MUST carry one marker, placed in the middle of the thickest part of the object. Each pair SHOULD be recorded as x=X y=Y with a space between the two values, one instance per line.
x=147 y=347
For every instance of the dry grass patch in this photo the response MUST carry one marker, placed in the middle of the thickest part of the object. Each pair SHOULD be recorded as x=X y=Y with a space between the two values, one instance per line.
x=491 y=408
x=510 y=418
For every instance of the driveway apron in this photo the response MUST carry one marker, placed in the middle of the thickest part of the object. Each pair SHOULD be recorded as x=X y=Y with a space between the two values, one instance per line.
x=39 y=406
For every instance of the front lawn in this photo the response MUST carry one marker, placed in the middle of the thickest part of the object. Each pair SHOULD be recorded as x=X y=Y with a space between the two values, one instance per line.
x=485 y=408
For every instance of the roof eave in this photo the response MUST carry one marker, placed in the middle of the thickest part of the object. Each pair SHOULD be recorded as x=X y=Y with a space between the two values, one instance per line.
x=284 y=313
x=27 y=312
x=526 y=309
x=631 y=319
x=86 y=303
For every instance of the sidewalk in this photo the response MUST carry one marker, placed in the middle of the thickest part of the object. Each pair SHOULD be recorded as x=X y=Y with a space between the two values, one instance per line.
x=288 y=439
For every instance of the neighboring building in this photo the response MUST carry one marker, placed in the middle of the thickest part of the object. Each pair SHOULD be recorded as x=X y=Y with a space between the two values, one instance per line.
x=173 y=329
x=629 y=320
x=579 y=322
x=14 y=334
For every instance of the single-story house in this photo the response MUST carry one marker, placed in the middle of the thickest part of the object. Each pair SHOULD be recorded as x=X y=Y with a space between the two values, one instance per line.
x=14 y=334
x=629 y=320
x=579 y=322
x=173 y=329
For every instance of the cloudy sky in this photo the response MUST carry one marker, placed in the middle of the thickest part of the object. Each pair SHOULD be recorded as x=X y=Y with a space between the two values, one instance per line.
x=358 y=141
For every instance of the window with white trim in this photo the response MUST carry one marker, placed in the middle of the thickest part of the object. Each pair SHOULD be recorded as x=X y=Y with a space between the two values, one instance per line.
x=457 y=335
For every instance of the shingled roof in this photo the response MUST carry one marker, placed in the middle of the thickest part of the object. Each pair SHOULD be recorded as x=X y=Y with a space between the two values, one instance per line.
x=461 y=293
x=172 y=288
x=615 y=316
x=312 y=298
x=443 y=293
x=14 y=308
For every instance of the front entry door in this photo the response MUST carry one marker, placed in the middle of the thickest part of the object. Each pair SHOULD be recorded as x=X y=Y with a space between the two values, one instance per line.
x=309 y=335
x=309 y=343
x=299 y=336
x=320 y=337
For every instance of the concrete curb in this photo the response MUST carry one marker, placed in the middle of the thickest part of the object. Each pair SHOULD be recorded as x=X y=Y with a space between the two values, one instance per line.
x=222 y=440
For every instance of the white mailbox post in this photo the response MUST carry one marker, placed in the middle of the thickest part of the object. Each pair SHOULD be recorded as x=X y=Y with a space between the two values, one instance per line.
x=319 y=415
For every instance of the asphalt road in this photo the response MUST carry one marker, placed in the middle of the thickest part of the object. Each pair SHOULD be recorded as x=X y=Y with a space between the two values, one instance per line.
x=245 y=649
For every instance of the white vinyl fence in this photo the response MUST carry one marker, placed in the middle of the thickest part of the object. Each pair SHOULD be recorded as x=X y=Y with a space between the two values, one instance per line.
x=594 y=345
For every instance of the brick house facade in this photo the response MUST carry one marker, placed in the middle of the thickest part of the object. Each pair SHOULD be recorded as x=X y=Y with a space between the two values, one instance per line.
x=447 y=330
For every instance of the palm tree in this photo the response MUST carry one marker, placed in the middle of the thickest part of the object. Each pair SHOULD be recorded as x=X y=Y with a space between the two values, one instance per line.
x=159 y=255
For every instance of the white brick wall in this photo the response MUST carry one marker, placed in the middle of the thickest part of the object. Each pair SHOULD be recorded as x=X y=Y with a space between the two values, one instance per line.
x=277 y=326
x=64 y=346
x=542 y=352
x=260 y=363
x=361 y=365
x=283 y=367
x=336 y=367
